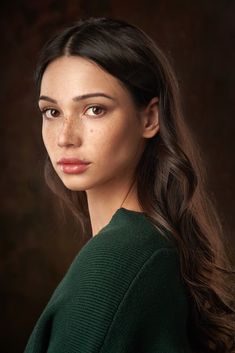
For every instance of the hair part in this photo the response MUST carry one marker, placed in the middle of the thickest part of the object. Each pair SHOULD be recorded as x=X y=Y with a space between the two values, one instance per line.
x=171 y=179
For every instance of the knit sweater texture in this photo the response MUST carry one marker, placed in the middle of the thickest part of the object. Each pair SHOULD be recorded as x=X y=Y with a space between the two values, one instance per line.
x=123 y=293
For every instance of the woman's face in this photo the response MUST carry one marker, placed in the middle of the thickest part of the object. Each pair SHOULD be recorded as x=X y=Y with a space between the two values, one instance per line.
x=89 y=115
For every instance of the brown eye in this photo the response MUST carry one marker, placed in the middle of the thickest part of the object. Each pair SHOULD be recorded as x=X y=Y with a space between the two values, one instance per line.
x=94 y=110
x=50 y=113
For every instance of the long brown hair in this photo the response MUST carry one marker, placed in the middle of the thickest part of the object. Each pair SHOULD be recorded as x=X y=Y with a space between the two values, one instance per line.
x=171 y=182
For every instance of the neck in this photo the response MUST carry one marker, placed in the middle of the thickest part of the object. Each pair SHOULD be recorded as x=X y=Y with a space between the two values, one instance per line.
x=103 y=202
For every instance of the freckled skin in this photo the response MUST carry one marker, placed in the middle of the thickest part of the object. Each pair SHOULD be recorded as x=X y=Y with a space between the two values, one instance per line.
x=112 y=141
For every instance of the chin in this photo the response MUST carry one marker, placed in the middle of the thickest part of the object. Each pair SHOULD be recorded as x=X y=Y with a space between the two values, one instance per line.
x=75 y=184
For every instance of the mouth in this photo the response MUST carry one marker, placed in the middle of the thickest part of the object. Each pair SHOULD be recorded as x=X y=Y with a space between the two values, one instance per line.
x=73 y=165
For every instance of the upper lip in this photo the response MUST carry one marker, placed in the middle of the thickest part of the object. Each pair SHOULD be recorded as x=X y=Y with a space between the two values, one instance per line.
x=72 y=161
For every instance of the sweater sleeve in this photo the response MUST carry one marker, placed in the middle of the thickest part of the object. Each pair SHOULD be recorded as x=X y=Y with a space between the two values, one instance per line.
x=116 y=304
x=150 y=316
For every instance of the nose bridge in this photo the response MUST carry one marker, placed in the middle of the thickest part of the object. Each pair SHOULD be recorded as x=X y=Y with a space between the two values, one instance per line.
x=69 y=132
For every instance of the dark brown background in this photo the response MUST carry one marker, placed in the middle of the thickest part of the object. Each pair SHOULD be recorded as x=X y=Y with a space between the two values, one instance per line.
x=36 y=247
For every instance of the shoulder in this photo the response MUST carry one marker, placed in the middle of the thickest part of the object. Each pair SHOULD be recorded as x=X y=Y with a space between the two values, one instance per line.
x=129 y=231
x=120 y=250
x=126 y=273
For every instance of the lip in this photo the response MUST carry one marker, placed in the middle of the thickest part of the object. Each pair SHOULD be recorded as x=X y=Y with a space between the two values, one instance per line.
x=73 y=161
x=72 y=165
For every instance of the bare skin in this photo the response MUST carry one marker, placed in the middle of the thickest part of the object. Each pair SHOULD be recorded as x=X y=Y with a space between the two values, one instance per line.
x=109 y=132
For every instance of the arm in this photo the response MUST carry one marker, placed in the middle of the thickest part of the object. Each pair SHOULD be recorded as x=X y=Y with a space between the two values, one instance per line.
x=149 y=316
x=152 y=316
x=119 y=295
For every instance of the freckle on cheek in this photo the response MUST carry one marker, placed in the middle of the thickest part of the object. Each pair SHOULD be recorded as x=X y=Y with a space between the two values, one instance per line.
x=91 y=130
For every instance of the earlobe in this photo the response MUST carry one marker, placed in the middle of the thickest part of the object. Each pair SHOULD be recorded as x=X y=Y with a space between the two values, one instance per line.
x=151 y=119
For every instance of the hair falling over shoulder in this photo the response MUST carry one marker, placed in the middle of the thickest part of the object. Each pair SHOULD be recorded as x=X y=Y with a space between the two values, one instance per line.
x=171 y=180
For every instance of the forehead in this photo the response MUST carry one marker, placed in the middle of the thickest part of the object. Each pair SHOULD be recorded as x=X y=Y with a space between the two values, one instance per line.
x=72 y=75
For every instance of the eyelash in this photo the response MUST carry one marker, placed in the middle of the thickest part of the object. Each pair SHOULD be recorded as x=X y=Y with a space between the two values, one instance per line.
x=96 y=106
x=45 y=110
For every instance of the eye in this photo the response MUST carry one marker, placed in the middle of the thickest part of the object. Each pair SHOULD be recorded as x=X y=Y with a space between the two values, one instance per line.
x=50 y=113
x=95 y=110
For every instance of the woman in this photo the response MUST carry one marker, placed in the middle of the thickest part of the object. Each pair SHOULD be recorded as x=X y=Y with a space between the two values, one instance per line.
x=154 y=277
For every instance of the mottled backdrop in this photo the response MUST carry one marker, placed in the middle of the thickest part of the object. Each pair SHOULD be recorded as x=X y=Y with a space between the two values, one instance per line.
x=36 y=245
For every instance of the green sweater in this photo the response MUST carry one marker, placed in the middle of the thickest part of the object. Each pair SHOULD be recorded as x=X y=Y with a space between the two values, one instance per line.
x=123 y=293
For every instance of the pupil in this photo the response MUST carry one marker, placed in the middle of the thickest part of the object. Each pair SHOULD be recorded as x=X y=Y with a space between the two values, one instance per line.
x=96 y=110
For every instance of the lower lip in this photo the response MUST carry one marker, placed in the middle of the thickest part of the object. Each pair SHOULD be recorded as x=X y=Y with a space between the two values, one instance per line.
x=73 y=168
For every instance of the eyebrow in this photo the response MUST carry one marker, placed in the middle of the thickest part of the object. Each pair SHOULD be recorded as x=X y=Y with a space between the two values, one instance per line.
x=78 y=98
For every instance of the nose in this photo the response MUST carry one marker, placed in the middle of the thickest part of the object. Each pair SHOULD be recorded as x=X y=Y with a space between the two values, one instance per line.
x=68 y=133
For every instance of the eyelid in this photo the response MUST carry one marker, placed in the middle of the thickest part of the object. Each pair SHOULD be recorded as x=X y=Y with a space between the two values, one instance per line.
x=96 y=106
x=45 y=109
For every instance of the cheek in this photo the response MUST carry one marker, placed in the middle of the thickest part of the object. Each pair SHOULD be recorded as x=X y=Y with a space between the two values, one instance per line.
x=116 y=145
x=48 y=138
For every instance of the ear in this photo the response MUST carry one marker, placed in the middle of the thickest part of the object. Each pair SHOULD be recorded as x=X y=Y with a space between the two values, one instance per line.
x=150 y=118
